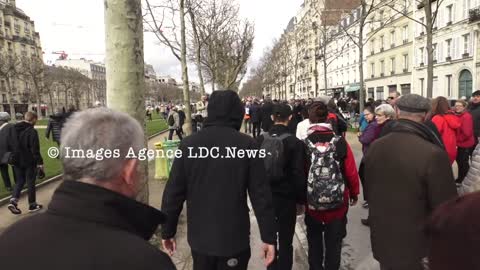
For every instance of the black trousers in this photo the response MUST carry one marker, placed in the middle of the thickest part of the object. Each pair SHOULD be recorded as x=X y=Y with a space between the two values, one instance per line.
x=256 y=129
x=5 y=175
x=235 y=262
x=463 y=161
x=286 y=217
x=25 y=175
x=324 y=243
x=361 y=174
x=247 y=126
x=178 y=131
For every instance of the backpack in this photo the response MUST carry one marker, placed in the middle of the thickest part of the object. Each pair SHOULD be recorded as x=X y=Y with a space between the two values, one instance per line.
x=171 y=120
x=275 y=160
x=325 y=186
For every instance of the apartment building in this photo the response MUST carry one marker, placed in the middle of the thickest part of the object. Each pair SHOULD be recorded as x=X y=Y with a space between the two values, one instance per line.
x=94 y=71
x=18 y=39
x=454 y=42
x=389 y=54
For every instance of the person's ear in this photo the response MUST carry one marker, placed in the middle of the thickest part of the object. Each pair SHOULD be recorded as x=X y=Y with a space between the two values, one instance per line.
x=129 y=172
x=290 y=117
x=271 y=116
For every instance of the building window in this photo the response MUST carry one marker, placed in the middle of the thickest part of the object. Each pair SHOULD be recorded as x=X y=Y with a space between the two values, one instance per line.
x=393 y=65
x=449 y=48
x=370 y=92
x=449 y=85
x=382 y=42
x=392 y=39
x=372 y=46
x=422 y=20
x=466 y=42
x=380 y=93
x=382 y=68
x=4 y=98
x=421 y=55
x=405 y=62
x=422 y=89
x=372 y=65
x=449 y=14
x=405 y=34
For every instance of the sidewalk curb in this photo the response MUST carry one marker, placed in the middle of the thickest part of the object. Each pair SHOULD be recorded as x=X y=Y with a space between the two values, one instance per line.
x=6 y=200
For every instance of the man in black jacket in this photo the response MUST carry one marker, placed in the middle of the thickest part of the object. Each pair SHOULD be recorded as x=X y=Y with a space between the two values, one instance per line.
x=256 y=118
x=8 y=144
x=474 y=109
x=215 y=187
x=290 y=189
x=93 y=221
x=267 y=121
x=29 y=161
x=55 y=124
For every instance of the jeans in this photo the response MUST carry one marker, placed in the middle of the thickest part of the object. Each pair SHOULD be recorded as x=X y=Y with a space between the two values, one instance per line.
x=234 y=262
x=256 y=129
x=5 y=176
x=247 y=126
x=25 y=175
x=463 y=161
x=286 y=217
x=178 y=131
x=324 y=243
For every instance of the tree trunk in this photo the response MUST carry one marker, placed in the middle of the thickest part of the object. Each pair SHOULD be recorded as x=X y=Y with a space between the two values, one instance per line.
x=12 y=106
x=50 y=98
x=361 y=94
x=325 y=72
x=429 y=30
x=197 y=54
x=125 y=66
x=186 y=90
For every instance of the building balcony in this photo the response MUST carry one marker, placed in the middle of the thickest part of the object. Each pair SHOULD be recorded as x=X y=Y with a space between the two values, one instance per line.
x=465 y=55
x=449 y=58
x=474 y=15
x=449 y=23
x=392 y=72
x=405 y=70
x=422 y=64
x=382 y=49
x=405 y=41
x=381 y=74
x=435 y=61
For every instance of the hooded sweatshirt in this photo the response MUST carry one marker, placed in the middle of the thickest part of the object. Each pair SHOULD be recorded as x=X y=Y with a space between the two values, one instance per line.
x=29 y=145
x=447 y=125
x=215 y=187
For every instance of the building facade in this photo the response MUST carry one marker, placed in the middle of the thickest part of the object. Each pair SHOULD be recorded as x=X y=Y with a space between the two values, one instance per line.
x=97 y=91
x=18 y=43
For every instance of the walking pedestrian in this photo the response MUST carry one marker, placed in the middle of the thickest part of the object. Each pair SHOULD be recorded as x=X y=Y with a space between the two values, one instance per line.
x=29 y=162
x=333 y=185
x=471 y=183
x=454 y=232
x=266 y=112
x=286 y=174
x=8 y=148
x=173 y=121
x=54 y=126
x=93 y=221
x=465 y=139
x=215 y=190
x=409 y=175
x=246 y=118
x=181 y=118
x=256 y=118
x=447 y=124
x=474 y=109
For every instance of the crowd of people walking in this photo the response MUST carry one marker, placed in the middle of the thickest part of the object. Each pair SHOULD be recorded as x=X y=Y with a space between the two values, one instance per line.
x=417 y=209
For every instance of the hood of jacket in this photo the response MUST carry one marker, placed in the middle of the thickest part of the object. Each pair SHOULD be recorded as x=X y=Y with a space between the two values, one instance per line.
x=22 y=126
x=225 y=109
x=452 y=121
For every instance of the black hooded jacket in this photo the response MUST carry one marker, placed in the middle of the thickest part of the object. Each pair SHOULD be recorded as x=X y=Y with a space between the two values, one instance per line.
x=85 y=228
x=55 y=124
x=8 y=140
x=216 y=189
x=28 y=145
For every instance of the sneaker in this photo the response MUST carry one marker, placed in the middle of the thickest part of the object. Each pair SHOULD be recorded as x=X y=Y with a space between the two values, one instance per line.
x=13 y=207
x=34 y=207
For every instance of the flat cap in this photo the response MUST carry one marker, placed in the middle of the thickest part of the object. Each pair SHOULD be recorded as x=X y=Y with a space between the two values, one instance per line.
x=4 y=116
x=413 y=103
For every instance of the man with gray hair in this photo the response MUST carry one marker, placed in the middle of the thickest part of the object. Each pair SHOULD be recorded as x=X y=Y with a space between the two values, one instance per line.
x=408 y=174
x=93 y=220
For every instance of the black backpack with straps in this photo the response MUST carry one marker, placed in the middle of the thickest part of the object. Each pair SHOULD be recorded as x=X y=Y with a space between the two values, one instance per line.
x=275 y=160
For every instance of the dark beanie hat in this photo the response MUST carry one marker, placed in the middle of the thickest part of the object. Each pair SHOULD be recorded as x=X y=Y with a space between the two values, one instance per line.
x=317 y=112
x=454 y=234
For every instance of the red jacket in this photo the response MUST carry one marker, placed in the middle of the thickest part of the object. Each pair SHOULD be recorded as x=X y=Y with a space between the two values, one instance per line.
x=465 y=138
x=352 y=189
x=447 y=125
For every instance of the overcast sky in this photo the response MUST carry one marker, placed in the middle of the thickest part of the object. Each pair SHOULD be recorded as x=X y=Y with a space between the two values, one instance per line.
x=77 y=27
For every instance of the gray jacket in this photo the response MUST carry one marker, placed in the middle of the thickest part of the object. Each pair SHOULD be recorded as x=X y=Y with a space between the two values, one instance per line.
x=471 y=183
x=176 y=117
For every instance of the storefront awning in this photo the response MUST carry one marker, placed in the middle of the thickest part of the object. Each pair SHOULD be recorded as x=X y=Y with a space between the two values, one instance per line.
x=352 y=87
